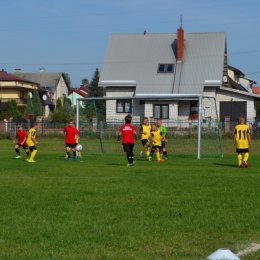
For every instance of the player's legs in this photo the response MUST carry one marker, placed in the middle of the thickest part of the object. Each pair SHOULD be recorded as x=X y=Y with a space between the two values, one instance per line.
x=79 y=154
x=147 y=151
x=145 y=144
x=161 y=154
x=33 y=151
x=164 y=150
x=16 y=148
x=67 y=151
x=244 y=162
x=151 y=153
x=26 y=150
x=132 y=153
x=239 y=159
x=128 y=149
x=73 y=148
x=246 y=156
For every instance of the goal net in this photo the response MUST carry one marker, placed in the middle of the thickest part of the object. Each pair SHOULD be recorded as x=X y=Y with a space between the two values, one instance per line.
x=191 y=122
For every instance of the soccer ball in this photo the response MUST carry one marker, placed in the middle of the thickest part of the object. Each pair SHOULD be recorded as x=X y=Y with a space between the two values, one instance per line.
x=79 y=147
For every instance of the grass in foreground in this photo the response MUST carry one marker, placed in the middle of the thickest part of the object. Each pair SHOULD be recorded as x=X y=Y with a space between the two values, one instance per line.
x=97 y=208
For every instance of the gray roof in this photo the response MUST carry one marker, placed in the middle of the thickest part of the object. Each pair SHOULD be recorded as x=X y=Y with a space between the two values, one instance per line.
x=132 y=60
x=45 y=79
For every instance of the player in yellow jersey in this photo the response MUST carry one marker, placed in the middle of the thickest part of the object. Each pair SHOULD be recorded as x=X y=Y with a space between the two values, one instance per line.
x=156 y=137
x=242 y=140
x=145 y=132
x=31 y=142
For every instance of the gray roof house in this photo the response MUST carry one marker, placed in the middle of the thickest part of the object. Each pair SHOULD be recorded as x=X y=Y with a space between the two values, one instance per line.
x=54 y=83
x=171 y=63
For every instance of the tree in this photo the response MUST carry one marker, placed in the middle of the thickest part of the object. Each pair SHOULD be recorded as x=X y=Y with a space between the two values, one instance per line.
x=37 y=105
x=13 y=110
x=59 y=103
x=67 y=106
x=85 y=82
x=96 y=91
x=29 y=106
x=67 y=77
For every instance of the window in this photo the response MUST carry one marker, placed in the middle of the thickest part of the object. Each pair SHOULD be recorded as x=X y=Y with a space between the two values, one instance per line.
x=161 y=111
x=123 y=106
x=194 y=106
x=165 y=68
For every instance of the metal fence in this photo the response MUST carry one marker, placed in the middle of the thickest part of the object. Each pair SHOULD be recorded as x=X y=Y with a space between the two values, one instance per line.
x=110 y=129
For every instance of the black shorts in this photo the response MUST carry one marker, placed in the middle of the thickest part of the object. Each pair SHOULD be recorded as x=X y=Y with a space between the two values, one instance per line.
x=25 y=147
x=128 y=147
x=70 y=145
x=32 y=148
x=145 y=141
x=157 y=146
x=242 y=150
x=163 y=144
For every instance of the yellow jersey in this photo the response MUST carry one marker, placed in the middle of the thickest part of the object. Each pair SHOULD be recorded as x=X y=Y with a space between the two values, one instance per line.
x=157 y=137
x=147 y=129
x=241 y=132
x=29 y=141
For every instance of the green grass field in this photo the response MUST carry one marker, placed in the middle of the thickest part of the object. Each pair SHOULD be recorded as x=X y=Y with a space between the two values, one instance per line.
x=97 y=208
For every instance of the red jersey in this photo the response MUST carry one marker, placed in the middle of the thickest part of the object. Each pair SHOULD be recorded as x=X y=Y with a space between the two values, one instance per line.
x=127 y=131
x=71 y=132
x=21 y=135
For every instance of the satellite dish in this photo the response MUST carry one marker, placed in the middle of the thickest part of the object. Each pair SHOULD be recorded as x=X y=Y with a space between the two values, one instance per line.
x=225 y=79
x=30 y=94
x=44 y=97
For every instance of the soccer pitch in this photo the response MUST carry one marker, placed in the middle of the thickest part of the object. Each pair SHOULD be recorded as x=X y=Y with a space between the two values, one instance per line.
x=97 y=208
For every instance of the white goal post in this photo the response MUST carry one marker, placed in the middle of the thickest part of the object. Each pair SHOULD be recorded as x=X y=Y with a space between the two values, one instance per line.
x=153 y=97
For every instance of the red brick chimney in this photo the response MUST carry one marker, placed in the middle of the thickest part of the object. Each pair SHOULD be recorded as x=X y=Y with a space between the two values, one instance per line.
x=180 y=44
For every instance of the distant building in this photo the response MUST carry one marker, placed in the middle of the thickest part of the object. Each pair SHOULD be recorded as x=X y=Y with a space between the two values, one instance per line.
x=54 y=83
x=17 y=88
x=75 y=93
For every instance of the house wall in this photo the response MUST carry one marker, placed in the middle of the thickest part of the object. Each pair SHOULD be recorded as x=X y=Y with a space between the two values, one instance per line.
x=73 y=97
x=231 y=74
x=111 y=115
x=61 y=89
x=246 y=83
x=227 y=96
x=15 y=84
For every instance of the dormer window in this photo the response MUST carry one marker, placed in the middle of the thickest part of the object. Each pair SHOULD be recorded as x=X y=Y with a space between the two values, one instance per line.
x=165 y=68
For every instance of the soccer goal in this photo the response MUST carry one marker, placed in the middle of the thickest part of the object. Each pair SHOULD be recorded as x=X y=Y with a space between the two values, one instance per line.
x=191 y=121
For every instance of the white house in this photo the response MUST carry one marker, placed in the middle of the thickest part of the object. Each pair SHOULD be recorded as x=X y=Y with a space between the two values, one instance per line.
x=171 y=63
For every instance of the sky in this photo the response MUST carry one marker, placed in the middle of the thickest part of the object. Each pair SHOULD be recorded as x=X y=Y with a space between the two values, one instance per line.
x=70 y=36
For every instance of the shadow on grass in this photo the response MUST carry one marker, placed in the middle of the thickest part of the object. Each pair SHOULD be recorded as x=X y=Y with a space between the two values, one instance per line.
x=226 y=165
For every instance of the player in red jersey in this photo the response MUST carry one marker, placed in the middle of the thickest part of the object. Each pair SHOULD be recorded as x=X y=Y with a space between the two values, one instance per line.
x=20 y=140
x=70 y=140
x=127 y=131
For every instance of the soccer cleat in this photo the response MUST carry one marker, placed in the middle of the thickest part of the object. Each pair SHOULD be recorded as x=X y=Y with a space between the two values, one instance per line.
x=240 y=166
x=31 y=160
x=245 y=164
x=165 y=158
x=150 y=158
x=75 y=158
x=159 y=161
x=27 y=159
x=141 y=154
x=18 y=157
x=162 y=160
x=69 y=159
x=80 y=157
